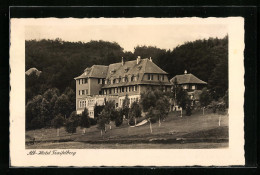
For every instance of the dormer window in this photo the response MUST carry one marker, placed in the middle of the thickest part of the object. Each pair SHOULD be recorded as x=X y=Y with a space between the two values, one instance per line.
x=133 y=78
x=113 y=71
x=150 y=76
x=126 y=69
x=162 y=77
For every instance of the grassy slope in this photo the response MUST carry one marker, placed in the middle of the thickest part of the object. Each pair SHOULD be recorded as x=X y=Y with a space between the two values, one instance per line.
x=195 y=126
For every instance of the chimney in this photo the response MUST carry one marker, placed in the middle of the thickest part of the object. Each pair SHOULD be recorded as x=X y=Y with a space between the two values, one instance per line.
x=138 y=60
x=123 y=61
x=151 y=59
x=185 y=72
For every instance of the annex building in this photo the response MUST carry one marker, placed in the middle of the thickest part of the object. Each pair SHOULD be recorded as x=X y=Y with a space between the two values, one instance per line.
x=114 y=81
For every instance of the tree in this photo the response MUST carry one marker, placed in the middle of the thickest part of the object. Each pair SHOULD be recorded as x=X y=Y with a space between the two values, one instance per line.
x=33 y=109
x=205 y=98
x=71 y=124
x=135 y=111
x=106 y=115
x=181 y=97
x=62 y=105
x=119 y=117
x=151 y=117
x=84 y=121
x=162 y=106
x=148 y=100
x=57 y=123
x=97 y=110
x=125 y=106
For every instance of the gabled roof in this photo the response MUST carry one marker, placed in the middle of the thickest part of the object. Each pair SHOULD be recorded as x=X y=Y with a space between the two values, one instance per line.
x=132 y=68
x=187 y=79
x=96 y=71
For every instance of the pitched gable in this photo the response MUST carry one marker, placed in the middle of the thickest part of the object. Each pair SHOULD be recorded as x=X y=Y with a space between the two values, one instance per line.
x=187 y=79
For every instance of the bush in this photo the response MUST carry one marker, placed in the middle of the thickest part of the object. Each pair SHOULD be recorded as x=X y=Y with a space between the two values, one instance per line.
x=71 y=125
x=93 y=121
x=188 y=110
x=131 y=121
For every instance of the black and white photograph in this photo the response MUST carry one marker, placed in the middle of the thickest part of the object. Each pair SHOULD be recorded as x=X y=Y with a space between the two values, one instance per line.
x=126 y=84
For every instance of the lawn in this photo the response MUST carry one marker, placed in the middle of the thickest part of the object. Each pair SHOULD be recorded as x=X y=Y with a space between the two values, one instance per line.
x=195 y=131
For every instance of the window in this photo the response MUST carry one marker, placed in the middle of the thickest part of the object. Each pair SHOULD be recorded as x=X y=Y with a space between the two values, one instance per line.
x=162 y=77
x=80 y=104
x=119 y=79
x=122 y=89
x=126 y=89
x=79 y=81
x=79 y=92
x=134 y=88
x=150 y=76
x=158 y=77
x=132 y=78
x=109 y=91
x=103 y=81
x=86 y=91
x=185 y=86
x=99 y=81
x=129 y=89
x=114 y=81
x=82 y=81
x=86 y=80
x=193 y=87
x=83 y=92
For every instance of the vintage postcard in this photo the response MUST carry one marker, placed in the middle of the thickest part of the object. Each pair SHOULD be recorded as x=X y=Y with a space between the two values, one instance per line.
x=126 y=92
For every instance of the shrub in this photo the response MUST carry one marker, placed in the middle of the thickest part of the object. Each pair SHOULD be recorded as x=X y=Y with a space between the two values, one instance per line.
x=71 y=125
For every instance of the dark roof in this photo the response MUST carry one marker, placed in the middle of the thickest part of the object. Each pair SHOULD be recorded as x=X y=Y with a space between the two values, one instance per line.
x=187 y=79
x=117 y=70
x=96 y=71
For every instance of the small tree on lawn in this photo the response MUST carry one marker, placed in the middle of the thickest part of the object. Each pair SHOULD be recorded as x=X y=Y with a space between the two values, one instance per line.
x=84 y=121
x=57 y=123
x=102 y=121
x=135 y=111
x=106 y=116
x=71 y=124
x=118 y=117
x=125 y=106
x=162 y=106
x=205 y=98
x=181 y=97
x=150 y=117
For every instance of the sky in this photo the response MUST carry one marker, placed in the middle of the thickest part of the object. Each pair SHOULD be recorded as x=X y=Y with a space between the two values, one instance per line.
x=129 y=34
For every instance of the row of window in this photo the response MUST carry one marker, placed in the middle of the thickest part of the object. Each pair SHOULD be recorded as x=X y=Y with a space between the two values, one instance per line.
x=120 y=90
x=131 y=100
x=82 y=104
x=123 y=79
x=193 y=87
x=83 y=92
x=83 y=81
x=159 y=77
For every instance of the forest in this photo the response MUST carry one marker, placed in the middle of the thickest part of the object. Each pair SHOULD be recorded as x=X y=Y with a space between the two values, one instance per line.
x=60 y=61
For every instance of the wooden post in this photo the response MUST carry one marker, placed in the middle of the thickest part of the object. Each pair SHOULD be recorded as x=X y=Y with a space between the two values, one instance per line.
x=151 y=127
x=58 y=132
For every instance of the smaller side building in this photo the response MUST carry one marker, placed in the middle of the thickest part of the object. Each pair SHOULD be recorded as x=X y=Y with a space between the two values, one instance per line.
x=189 y=82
